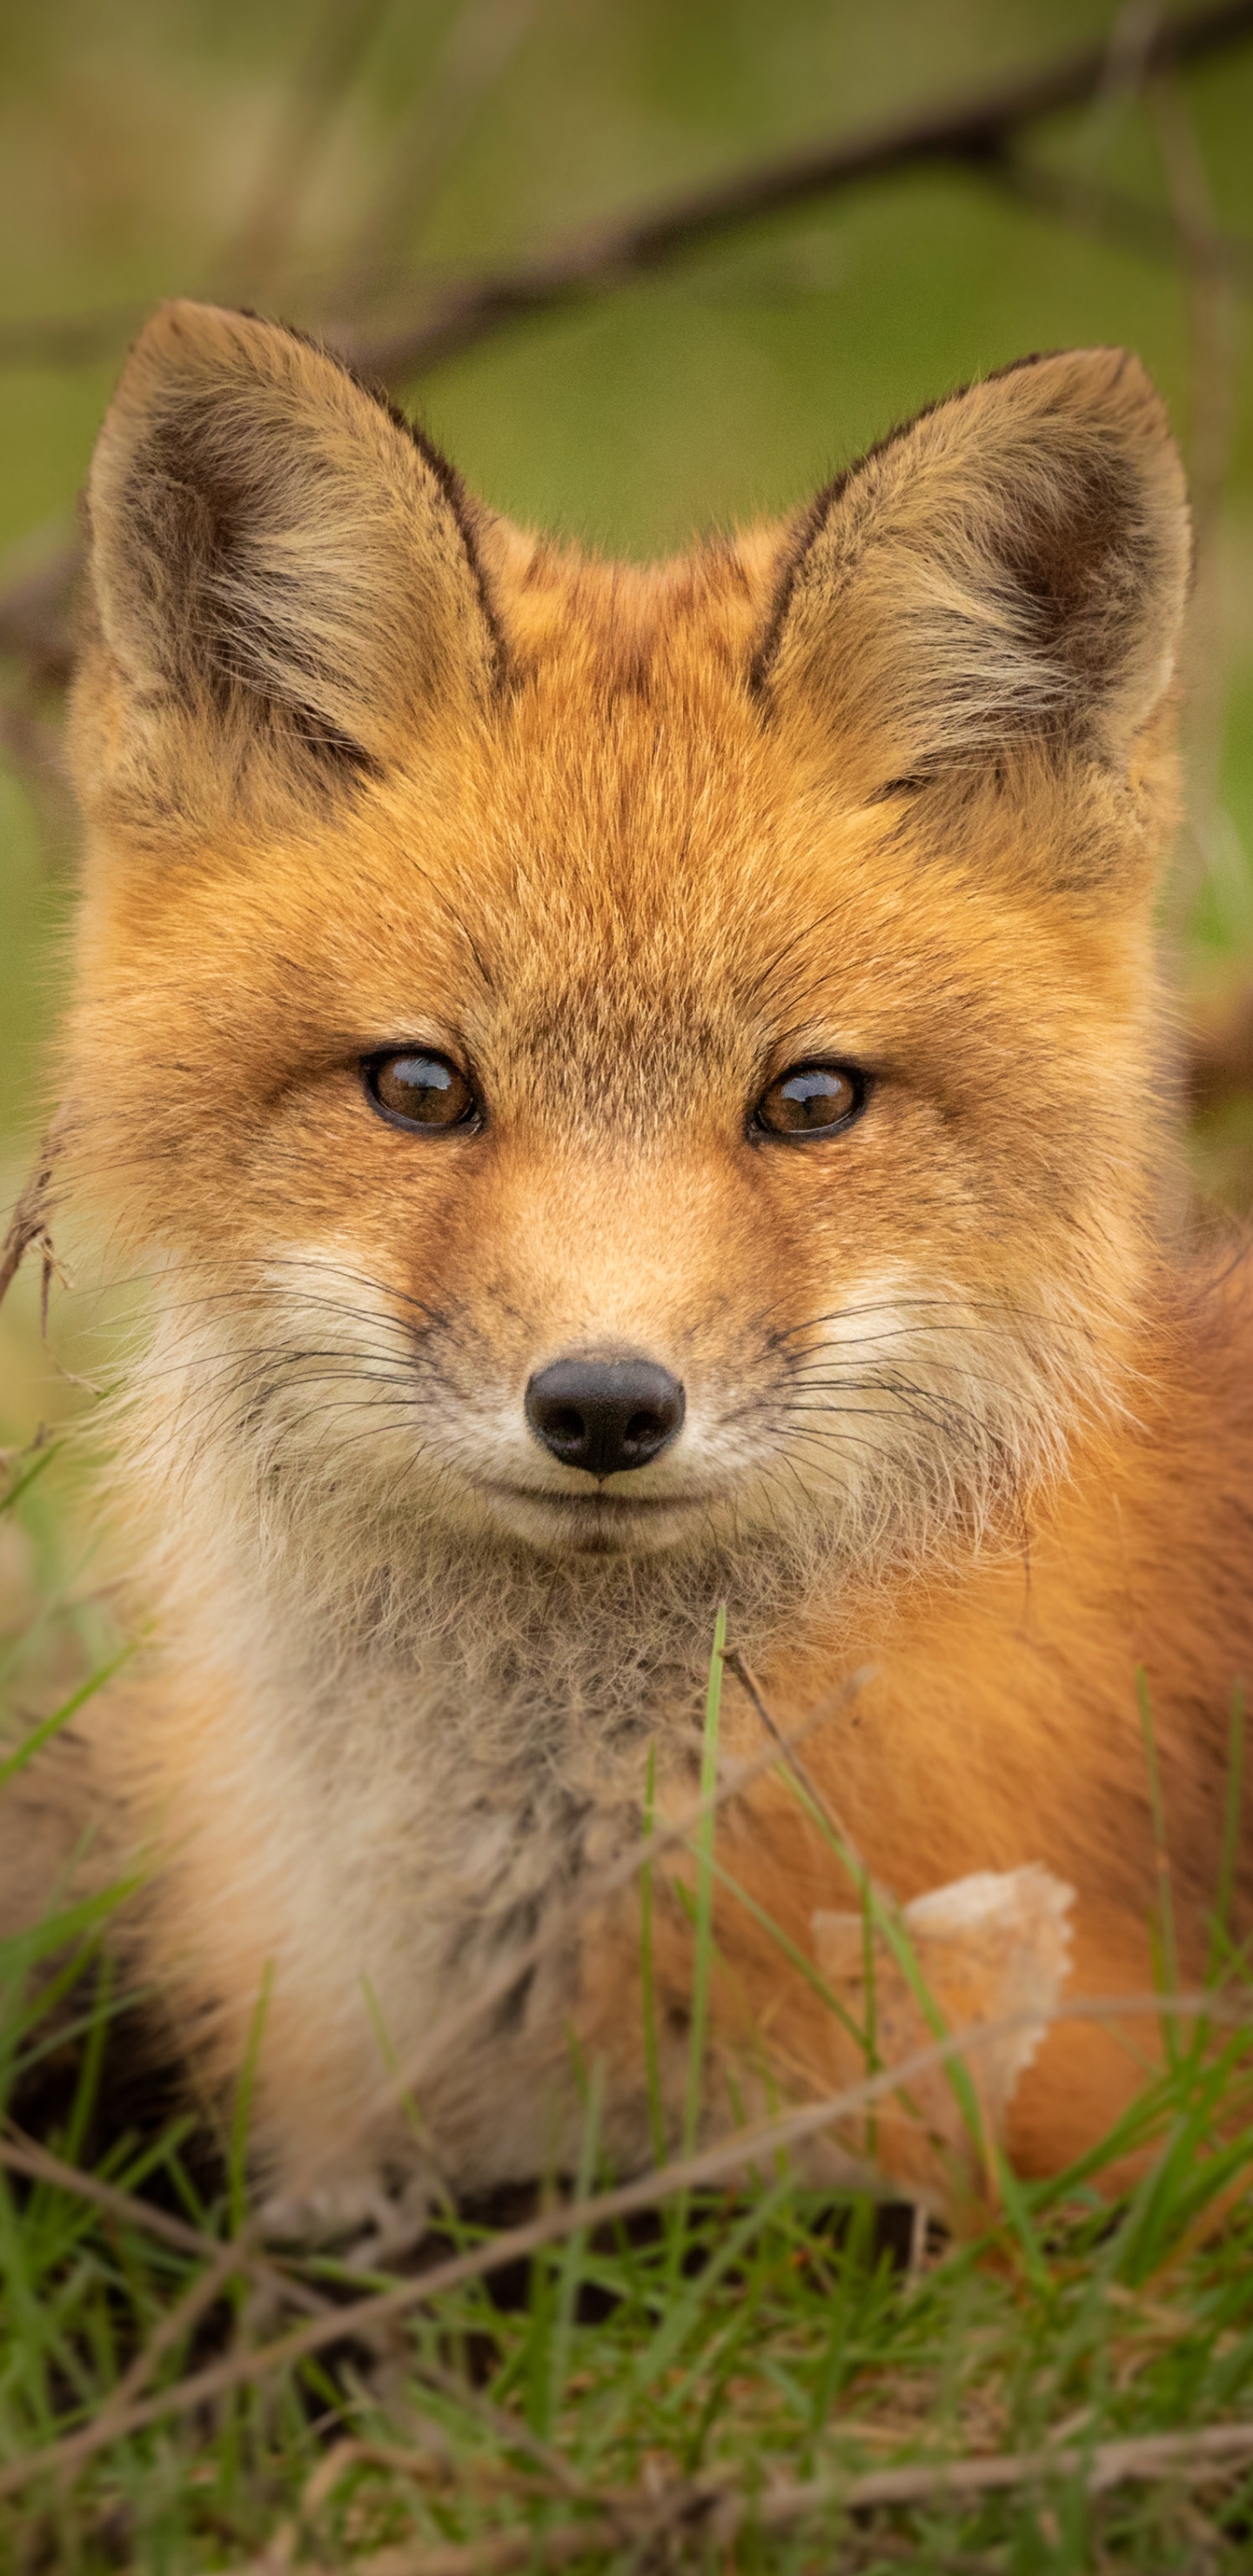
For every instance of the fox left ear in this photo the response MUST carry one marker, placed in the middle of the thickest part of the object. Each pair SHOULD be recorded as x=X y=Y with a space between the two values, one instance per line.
x=1007 y=572
x=284 y=582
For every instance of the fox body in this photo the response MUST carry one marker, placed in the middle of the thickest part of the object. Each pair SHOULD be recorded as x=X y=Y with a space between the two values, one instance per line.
x=732 y=981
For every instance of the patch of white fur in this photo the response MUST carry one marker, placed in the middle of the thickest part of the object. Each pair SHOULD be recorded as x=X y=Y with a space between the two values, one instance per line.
x=922 y=1417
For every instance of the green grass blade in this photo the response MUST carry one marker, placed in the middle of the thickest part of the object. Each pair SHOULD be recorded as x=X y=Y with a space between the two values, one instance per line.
x=706 y=1834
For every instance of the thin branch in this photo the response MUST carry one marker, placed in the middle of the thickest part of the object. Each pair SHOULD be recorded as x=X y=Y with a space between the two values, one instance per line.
x=173 y=2326
x=1139 y=2458
x=476 y=53
x=36 y=618
x=67 y=339
x=38 y=2164
x=712 y=2513
x=1221 y=1061
x=341 y=37
x=559 y=2479
x=34 y=747
x=977 y=131
x=1130 y=223
x=972 y=130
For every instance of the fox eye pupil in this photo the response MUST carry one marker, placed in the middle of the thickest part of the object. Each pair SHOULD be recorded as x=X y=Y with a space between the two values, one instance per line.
x=418 y=1090
x=811 y=1100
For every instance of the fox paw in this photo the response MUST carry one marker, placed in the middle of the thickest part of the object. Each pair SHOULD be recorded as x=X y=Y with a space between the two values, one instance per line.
x=353 y=2214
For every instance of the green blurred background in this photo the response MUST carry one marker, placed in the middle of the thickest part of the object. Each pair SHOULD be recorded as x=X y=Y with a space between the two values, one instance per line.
x=332 y=164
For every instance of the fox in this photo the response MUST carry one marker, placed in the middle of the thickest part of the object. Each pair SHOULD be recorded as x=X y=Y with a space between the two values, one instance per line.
x=640 y=1096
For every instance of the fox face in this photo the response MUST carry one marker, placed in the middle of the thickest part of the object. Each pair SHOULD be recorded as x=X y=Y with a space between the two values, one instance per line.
x=610 y=1065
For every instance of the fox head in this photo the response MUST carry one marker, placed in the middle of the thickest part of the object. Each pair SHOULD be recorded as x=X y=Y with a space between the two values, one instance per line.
x=618 y=1062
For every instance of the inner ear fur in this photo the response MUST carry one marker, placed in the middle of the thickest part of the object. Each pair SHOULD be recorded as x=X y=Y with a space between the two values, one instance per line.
x=284 y=577
x=1010 y=570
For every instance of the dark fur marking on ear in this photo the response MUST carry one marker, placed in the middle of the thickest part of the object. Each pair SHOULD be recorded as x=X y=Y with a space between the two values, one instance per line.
x=453 y=488
x=808 y=527
x=342 y=761
x=1061 y=562
x=913 y=786
x=509 y=2016
x=193 y=518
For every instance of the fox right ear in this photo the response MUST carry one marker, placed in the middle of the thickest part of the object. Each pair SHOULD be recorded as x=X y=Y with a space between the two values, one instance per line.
x=1008 y=571
x=284 y=578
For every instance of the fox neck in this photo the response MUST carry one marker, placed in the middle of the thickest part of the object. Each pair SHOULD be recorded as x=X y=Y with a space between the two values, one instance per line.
x=482 y=1645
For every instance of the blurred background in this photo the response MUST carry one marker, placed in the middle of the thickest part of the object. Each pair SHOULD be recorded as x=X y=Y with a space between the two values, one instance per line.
x=355 y=166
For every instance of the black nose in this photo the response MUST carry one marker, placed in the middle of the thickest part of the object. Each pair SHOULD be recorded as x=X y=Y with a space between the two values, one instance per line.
x=604 y=1415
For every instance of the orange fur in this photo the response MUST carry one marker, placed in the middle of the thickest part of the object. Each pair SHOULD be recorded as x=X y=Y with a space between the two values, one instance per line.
x=362 y=766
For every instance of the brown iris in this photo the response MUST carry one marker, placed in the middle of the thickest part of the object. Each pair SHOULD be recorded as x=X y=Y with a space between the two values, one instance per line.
x=811 y=1100
x=419 y=1090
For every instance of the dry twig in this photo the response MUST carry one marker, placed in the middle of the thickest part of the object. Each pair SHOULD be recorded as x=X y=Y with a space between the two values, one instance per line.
x=30 y=1227
x=38 y=2164
x=714 y=2513
x=747 y=2149
x=338 y=42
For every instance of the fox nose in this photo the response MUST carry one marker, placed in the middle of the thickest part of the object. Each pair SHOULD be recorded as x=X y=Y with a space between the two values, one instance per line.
x=604 y=1415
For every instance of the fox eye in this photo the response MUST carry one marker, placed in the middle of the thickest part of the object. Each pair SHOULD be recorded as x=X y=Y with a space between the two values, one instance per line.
x=811 y=1100
x=417 y=1090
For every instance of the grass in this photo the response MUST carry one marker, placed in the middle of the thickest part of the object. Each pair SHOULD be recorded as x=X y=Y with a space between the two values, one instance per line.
x=681 y=2371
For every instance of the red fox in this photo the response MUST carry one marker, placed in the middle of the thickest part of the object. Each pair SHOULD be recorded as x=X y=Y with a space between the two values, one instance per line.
x=637 y=1090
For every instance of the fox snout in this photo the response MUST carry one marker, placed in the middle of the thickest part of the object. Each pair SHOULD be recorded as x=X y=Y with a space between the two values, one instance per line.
x=606 y=1414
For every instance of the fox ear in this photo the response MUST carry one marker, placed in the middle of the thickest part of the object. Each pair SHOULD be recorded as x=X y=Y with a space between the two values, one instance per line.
x=1009 y=570
x=284 y=577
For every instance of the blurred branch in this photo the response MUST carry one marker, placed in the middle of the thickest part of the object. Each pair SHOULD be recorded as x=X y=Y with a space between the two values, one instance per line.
x=67 y=339
x=340 y=38
x=977 y=133
x=1130 y=223
x=32 y=745
x=1213 y=316
x=1220 y=1057
x=36 y=640
x=476 y=53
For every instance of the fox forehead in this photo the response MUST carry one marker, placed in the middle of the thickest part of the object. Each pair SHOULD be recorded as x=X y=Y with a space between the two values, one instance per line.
x=598 y=927
x=365 y=766
x=620 y=872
